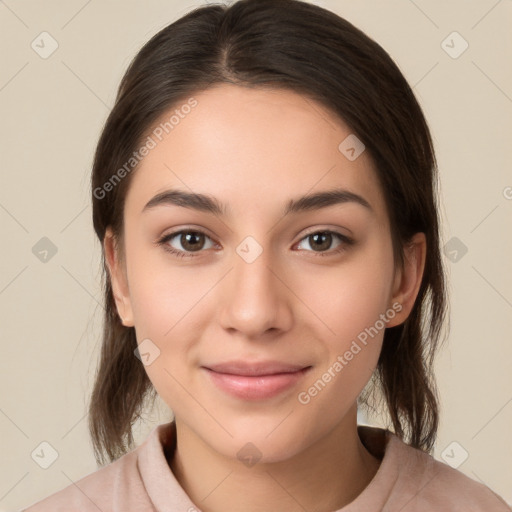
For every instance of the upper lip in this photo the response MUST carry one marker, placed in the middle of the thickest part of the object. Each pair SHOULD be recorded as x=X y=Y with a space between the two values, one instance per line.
x=255 y=368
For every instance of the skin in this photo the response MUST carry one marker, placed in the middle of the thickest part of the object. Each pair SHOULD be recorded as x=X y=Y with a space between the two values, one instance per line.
x=254 y=150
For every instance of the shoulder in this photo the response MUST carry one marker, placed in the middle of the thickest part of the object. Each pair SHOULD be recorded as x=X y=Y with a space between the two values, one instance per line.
x=95 y=491
x=411 y=480
x=430 y=484
x=111 y=487
x=139 y=481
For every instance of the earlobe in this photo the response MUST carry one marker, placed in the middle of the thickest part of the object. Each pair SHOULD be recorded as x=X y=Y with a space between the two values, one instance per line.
x=118 y=279
x=408 y=280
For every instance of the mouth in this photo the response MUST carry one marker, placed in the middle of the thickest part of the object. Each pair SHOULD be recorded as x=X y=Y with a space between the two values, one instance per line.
x=255 y=381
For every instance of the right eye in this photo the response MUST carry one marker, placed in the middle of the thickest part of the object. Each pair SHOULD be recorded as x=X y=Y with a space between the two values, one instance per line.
x=190 y=241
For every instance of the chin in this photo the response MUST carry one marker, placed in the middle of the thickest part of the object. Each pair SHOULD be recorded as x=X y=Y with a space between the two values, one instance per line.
x=262 y=439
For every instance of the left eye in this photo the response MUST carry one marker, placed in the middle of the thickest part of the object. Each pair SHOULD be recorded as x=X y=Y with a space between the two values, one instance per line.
x=323 y=240
x=194 y=241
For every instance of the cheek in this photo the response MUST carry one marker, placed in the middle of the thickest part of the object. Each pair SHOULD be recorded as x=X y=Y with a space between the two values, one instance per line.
x=163 y=302
x=349 y=301
x=349 y=297
x=162 y=293
x=168 y=301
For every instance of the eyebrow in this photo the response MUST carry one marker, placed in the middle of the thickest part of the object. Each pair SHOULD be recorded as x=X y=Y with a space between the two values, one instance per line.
x=209 y=204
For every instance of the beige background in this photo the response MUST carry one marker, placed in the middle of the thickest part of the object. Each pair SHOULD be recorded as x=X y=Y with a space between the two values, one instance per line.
x=51 y=112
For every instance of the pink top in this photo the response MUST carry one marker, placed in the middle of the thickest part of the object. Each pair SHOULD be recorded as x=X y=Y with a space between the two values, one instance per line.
x=408 y=480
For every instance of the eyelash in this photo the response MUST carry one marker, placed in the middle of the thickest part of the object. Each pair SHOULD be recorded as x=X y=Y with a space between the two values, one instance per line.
x=182 y=254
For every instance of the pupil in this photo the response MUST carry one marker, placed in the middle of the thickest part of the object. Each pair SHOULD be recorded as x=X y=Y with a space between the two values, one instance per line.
x=325 y=236
x=189 y=241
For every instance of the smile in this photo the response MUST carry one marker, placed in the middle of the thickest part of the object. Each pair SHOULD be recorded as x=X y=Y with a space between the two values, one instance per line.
x=255 y=382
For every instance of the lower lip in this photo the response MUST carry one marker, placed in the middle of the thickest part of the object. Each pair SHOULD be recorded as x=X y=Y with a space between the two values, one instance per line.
x=256 y=387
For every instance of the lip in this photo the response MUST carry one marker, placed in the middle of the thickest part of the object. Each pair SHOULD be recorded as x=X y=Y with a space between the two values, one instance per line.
x=257 y=380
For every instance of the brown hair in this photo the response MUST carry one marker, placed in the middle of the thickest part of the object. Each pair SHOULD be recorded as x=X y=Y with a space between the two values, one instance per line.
x=301 y=47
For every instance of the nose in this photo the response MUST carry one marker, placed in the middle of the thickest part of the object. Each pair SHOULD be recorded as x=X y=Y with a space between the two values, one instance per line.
x=254 y=298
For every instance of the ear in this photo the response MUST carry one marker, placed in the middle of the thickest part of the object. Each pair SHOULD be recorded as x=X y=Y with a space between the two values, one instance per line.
x=407 y=281
x=118 y=279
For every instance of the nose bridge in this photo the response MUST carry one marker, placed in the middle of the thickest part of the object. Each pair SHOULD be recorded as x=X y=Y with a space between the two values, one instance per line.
x=252 y=264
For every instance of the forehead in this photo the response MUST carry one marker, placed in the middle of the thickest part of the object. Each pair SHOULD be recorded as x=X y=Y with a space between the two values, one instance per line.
x=253 y=149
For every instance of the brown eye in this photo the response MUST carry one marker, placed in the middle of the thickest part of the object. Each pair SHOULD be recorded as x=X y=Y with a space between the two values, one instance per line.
x=321 y=242
x=192 y=240
x=188 y=242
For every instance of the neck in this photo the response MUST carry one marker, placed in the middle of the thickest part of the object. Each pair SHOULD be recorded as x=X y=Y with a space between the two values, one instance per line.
x=327 y=476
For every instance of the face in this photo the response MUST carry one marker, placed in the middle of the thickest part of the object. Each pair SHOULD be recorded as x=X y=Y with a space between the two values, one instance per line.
x=259 y=324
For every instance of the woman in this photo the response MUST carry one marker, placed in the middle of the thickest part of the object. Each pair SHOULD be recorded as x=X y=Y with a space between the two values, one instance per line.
x=265 y=193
